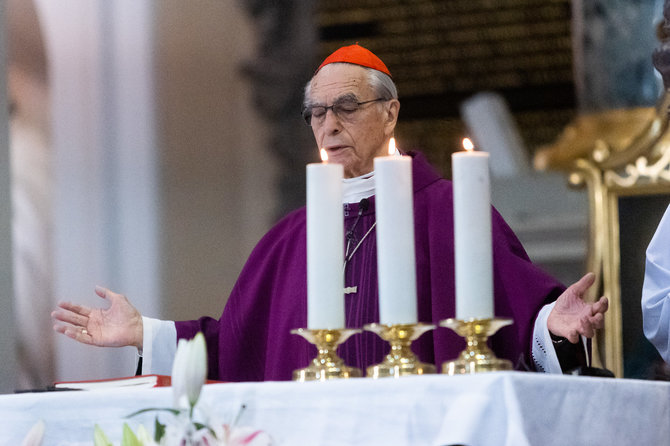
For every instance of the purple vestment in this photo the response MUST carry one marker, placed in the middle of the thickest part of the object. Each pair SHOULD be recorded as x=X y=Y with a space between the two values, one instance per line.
x=252 y=341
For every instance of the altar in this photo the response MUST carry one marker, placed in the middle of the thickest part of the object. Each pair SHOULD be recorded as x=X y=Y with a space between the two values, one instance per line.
x=497 y=408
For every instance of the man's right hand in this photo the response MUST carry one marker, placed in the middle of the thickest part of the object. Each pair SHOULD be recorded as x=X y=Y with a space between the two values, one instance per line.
x=120 y=325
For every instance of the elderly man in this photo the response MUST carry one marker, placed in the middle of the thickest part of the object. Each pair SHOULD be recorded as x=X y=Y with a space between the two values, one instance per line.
x=351 y=104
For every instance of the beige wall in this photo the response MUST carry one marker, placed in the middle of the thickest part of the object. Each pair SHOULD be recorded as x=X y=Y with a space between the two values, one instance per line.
x=217 y=182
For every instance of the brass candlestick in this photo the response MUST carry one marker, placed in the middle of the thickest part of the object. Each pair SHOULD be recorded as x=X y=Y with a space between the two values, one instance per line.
x=326 y=365
x=400 y=361
x=477 y=356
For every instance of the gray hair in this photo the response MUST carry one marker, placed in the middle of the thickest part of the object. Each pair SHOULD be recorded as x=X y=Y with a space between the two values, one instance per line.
x=381 y=84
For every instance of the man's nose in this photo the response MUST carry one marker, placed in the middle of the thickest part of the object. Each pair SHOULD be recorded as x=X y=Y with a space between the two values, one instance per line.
x=332 y=122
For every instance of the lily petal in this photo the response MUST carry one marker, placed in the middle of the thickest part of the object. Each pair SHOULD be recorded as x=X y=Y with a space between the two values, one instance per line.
x=35 y=435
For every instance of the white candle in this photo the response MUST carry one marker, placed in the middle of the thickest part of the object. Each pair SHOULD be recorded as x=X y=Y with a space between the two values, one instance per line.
x=472 y=235
x=325 y=241
x=396 y=265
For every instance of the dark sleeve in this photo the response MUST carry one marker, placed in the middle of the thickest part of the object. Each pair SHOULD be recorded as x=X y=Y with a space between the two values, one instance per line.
x=138 y=370
x=570 y=356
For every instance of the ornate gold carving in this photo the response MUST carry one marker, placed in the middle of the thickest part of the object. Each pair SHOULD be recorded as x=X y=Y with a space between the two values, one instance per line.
x=641 y=171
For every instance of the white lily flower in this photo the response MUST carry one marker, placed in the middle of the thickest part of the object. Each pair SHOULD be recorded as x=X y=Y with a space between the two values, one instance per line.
x=178 y=379
x=189 y=371
x=246 y=436
x=35 y=435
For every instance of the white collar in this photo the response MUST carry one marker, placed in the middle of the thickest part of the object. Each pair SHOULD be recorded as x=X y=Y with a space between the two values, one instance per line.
x=355 y=189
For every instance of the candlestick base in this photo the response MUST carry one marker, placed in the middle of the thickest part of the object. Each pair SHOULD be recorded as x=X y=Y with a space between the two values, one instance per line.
x=477 y=356
x=400 y=361
x=326 y=365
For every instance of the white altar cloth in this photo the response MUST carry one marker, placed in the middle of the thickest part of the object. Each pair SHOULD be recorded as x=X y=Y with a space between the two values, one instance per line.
x=500 y=408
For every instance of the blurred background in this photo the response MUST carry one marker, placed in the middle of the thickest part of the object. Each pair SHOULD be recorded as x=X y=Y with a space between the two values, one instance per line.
x=148 y=145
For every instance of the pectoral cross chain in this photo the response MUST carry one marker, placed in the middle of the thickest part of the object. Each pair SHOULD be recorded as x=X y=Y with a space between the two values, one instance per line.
x=347 y=257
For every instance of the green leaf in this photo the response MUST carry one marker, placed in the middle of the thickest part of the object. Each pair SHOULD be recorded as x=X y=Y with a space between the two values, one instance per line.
x=155 y=409
x=99 y=437
x=199 y=426
x=159 y=430
x=129 y=438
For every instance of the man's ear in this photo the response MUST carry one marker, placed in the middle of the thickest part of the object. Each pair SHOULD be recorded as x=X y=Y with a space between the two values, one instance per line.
x=392 y=110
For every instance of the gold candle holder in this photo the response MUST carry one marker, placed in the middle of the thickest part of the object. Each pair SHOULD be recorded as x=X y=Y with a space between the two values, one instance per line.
x=326 y=365
x=400 y=361
x=477 y=356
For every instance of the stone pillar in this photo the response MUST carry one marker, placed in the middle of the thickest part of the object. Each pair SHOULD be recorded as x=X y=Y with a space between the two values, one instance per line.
x=7 y=341
x=284 y=62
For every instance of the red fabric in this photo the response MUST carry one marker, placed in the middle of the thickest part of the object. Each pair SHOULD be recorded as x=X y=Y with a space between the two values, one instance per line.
x=357 y=55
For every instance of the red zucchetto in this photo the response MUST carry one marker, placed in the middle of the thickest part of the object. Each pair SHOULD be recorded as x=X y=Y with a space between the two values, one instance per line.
x=357 y=55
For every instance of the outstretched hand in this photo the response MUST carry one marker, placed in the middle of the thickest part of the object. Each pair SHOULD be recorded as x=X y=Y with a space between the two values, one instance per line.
x=119 y=325
x=572 y=317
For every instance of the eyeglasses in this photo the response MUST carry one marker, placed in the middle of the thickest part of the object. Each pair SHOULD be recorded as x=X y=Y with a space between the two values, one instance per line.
x=344 y=110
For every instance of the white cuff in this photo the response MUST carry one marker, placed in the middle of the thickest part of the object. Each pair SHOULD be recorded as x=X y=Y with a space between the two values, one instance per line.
x=159 y=346
x=543 y=353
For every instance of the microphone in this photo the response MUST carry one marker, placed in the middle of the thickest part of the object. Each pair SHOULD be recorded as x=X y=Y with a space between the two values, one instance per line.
x=363 y=206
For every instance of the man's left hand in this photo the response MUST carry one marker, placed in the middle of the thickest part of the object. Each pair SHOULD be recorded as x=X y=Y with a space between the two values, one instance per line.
x=572 y=317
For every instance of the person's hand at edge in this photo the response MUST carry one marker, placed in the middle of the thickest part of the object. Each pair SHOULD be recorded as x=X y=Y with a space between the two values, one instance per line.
x=572 y=317
x=119 y=325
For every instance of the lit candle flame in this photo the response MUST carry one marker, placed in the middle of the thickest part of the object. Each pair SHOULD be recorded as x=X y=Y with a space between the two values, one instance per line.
x=392 y=146
x=467 y=145
x=324 y=155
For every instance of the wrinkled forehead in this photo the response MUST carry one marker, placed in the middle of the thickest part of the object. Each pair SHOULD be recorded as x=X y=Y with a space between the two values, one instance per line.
x=335 y=81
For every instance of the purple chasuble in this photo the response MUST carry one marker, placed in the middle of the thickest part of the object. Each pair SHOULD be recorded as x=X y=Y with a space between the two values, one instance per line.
x=252 y=341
